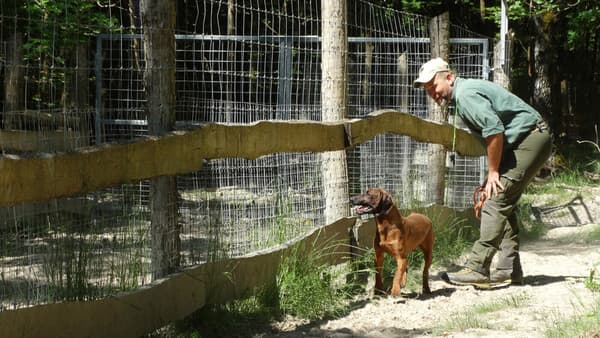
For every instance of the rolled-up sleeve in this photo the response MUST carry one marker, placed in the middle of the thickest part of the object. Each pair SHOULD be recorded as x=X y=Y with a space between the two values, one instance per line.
x=477 y=110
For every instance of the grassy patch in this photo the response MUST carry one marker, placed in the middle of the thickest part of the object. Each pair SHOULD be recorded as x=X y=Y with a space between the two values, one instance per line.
x=452 y=237
x=574 y=165
x=582 y=326
x=476 y=317
x=305 y=288
x=235 y=319
x=587 y=325
x=309 y=288
x=512 y=301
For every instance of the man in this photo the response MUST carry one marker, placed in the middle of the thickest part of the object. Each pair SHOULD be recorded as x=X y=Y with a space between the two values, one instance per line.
x=517 y=142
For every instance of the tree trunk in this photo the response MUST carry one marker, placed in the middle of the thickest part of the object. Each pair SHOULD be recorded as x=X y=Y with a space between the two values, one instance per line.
x=482 y=9
x=546 y=85
x=14 y=85
x=158 y=41
x=334 y=51
x=77 y=86
x=502 y=51
x=439 y=33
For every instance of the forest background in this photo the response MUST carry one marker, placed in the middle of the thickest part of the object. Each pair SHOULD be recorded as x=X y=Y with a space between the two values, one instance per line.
x=554 y=54
x=554 y=58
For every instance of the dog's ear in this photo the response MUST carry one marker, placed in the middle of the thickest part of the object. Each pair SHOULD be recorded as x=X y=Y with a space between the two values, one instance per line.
x=385 y=201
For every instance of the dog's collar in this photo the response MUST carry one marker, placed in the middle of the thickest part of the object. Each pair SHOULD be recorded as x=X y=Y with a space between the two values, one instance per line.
x=387 y=211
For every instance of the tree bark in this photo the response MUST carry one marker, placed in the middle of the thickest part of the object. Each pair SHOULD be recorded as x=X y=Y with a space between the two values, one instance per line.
x=14 y=85
x=546 y=85
x=158 y=40
x=77 y=86
x=439 y=33
x=334 y=99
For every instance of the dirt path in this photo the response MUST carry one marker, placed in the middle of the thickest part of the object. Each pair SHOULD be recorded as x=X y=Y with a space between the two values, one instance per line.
x=555 y=266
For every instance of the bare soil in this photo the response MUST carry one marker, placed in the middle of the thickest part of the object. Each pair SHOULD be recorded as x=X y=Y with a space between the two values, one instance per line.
x=555 y=265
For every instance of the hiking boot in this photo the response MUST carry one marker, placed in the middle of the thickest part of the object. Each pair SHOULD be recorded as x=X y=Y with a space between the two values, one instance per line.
x=506 y=277
x=467 y=276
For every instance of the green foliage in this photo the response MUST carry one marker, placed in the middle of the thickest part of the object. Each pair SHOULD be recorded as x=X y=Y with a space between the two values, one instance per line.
x=53 y=29
x=62 y=23
x=582 y=17
x=580 y=326
x=417 y=6
x=580 y=23
x=591 y=284
x=235 y=318
x=573 y=166
x=452 y=237
x=307 y=286
x=66 y=268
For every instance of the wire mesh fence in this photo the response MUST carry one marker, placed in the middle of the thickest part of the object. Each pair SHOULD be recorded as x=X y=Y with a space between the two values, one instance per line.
x=267 y=67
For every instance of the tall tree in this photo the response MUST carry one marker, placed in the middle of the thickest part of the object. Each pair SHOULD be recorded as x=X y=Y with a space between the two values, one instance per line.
x=545 y=61
x=14 y=95
x=334 y=102
x=158 y=18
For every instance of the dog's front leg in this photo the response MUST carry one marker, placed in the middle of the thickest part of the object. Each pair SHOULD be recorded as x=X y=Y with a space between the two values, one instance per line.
x=378 y=265
x=400 y=275
x=379 y=270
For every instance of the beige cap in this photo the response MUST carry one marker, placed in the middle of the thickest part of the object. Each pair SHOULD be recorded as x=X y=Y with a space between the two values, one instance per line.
x=429 y=69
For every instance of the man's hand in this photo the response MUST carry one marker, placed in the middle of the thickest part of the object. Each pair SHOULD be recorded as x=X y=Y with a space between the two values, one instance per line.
x=493 y=184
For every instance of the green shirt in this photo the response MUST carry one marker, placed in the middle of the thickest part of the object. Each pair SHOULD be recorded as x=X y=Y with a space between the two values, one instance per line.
x=489 y=109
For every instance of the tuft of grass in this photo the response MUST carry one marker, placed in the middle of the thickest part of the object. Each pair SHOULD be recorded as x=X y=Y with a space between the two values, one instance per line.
x=586 y=325
x=306 y=287
x=309 y=288
x=474 y=318
x=512 y=301
x=582 y=326
x=590 y=282
x=234 y=319
x=453 y=235
x=460 y=322
x=576 y=165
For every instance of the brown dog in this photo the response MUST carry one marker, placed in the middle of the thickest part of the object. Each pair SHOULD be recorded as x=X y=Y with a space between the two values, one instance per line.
x=396 y=235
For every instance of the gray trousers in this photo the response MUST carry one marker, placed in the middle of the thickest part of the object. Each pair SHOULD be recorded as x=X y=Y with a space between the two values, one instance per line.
x=499 y=228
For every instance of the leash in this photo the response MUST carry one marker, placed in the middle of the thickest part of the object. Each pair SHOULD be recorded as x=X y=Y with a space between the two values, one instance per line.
x=387 y=211
x=479 y=197
x=453 y=151
x=453 y=155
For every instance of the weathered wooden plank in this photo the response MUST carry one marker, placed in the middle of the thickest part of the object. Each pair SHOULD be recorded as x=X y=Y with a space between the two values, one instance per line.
x=47 y=176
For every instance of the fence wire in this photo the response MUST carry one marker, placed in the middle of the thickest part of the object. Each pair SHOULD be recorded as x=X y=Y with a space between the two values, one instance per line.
x=86 y=91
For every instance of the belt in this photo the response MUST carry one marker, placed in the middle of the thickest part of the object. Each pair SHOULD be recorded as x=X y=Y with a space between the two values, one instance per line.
x=539 y=127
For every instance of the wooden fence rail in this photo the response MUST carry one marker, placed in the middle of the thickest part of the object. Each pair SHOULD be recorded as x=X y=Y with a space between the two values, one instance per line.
x=47 y=176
